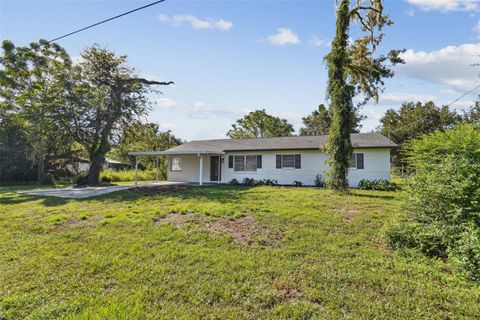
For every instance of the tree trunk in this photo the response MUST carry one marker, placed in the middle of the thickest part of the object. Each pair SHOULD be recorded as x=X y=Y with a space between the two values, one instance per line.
x=41 y=164
x=339 y=144
x=97 y=159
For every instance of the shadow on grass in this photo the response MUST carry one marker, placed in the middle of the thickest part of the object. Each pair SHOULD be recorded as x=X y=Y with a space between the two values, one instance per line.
x=219 y=193
x=373 y=196
x=18 y=198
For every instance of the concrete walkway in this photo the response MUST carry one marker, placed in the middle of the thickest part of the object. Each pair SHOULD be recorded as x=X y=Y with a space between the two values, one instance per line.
x=87 y=192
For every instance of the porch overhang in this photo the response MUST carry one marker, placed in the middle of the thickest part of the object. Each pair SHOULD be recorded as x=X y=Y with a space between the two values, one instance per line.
x=167 y=153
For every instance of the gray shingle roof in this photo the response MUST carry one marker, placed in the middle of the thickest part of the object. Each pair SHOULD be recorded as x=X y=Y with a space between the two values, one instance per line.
x=359 y=140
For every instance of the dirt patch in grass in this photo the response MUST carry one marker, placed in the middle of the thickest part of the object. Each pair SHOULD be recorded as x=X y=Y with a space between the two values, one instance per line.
x=77 y=223
x=177 y=219
x=159 y=189
x=349 y=214
x=245 y=230
x=286 y=292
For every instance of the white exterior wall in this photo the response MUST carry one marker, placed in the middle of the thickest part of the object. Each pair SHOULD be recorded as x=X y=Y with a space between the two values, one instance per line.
x=190 y=169
x=376 y=166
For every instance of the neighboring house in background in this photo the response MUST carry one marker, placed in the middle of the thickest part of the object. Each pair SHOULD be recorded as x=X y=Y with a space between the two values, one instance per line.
x=82 y=166
x=284 y=159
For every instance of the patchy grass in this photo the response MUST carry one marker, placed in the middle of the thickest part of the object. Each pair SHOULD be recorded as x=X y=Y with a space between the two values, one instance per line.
x=218 y=252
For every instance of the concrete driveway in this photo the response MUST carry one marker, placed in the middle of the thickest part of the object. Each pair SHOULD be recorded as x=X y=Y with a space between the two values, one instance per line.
x=87 y=192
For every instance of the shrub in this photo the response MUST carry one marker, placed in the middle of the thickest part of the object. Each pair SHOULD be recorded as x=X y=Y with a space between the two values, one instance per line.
x=248 y=181
x=234 y=182
x=318 y=181
x=382 y=185
x=110 y=175
x=442 y=208
x=297 y=183
x=270 y=182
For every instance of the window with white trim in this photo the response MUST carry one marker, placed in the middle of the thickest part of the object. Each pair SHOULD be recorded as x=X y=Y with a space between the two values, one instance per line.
x=176 y=164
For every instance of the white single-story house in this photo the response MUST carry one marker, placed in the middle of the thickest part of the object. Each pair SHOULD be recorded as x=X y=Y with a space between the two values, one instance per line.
x=285 y=159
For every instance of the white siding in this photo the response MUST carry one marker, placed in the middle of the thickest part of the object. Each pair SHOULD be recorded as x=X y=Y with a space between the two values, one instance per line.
x=376 y=166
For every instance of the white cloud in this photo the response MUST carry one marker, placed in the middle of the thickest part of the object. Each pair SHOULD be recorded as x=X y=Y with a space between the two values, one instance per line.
x=196 y=23
x=198 y=110
x=450 y=66
x=446 y=5
x=315 y=41
x=283 y=37
x=165 y=103
x=399 y=97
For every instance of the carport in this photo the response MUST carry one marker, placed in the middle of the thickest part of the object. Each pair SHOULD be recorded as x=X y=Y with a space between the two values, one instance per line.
x=200 y=153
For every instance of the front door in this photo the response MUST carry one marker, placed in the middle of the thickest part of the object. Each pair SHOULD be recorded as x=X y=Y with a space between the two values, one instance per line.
x=215 y=171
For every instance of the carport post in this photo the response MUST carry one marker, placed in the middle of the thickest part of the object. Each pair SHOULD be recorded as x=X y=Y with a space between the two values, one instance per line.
x=136 y=169
x=157 y=168
x=200 y=179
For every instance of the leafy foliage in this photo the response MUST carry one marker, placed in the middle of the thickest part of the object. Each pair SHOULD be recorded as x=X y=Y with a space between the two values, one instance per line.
x=413 y=120
x=110 y=175
x=297 y=183
x=444 y=198
x=318 y=181
x=260 y=124
x=319 y=122
x=31 y=89
x=382 y=185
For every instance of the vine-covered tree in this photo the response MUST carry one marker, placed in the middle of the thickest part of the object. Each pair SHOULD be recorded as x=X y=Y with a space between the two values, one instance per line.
x=260 y=124
x=319 y=122
x=354 y=69
x=104 y=96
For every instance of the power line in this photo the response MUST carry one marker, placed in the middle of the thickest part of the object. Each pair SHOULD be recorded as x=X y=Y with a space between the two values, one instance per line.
x=106 y=20
x=463 y=95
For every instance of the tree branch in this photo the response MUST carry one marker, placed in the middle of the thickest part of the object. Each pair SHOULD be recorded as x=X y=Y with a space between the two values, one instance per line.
x=149 y=82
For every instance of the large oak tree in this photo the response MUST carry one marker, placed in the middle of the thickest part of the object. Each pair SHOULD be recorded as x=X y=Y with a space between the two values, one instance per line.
x=104 y=95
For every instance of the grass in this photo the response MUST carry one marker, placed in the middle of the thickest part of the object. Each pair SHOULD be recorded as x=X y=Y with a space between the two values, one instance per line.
x=109 y=175
x=110 y=258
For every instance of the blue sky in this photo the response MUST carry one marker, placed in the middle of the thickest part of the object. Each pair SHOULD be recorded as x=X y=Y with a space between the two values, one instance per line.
x=231 y=57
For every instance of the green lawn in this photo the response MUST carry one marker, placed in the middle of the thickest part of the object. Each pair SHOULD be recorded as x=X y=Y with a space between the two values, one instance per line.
x=234 y=252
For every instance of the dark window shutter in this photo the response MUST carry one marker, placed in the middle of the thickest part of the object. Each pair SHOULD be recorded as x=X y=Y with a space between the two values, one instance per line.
x=360 y=161
x=279 y=161
x=298 y=161
x=230 y=162
x=259 y=162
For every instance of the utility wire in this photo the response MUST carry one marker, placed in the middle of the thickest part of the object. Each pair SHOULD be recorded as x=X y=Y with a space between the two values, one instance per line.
x=463 y=95
x=106 y=20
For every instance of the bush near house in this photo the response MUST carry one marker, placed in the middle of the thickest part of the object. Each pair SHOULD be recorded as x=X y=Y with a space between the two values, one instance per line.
x=443 y=199
x=382 y=185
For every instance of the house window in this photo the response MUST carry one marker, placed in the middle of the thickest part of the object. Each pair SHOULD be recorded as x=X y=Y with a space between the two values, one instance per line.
x=248 y=163
x=176 y=164
x=289 y=161
x=353 y=161
x=239 y=163
x=251 y=163
x=356 y=161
